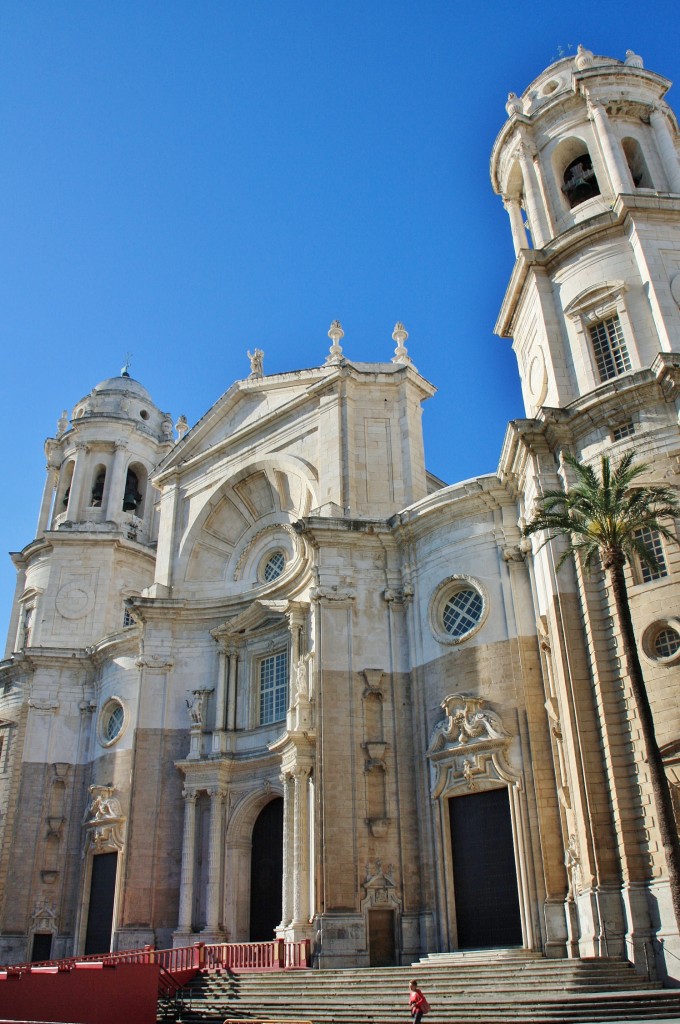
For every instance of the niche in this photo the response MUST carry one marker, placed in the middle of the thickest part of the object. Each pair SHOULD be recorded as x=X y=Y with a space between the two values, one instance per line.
x=637 y=165
x=579 y=181
x=98 y=487
x=132 y=497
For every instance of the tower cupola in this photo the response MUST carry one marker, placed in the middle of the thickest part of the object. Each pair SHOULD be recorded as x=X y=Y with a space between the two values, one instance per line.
x=587 y=165
x=100 y=462
x=587 y=130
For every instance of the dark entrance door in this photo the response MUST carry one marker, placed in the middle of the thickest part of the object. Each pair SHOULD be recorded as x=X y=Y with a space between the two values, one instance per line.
x=266 y=871
x=100 y=913
x=42 y=946
x=484 y=874
x=381 y=949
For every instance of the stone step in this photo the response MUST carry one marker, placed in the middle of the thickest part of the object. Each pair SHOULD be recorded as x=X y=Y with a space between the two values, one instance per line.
x=512 y=989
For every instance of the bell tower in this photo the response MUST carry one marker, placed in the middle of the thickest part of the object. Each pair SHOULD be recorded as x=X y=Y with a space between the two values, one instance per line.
x=587 y=165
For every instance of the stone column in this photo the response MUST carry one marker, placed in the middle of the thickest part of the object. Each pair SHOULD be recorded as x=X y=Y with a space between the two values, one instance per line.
x=115 y=482
x=186 y=885
x=666 y=147
x=288 y=858
x=231 y=690
x=78 y=479
x=214 y=862
x=611 y=148
x=301 y=849
x=519 y=234
x=532 y=196
x=221 y=691
x=47 y=497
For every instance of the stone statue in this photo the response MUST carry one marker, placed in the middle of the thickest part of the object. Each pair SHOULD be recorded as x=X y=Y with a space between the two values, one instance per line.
x=256 y=362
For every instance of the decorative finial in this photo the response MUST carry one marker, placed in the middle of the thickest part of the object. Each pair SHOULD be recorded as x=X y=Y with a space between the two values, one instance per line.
x=181 y=427
x=336 y=334
x=400 y=335
x=125 y=368
x=514 y=104
x=256 y=363
x=62 y=423
x=633 y=60
x=584 y=58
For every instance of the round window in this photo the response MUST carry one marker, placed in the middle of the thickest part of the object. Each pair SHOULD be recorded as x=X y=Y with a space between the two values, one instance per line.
x=458 y=609
x=112 y=722
x=661 y=641
x=273 y=566
x=666 y=642
x=462 y=612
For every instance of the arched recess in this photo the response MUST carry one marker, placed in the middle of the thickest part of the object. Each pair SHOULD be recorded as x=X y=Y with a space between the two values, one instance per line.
x=469 y=755
x=97 y=486
x=637 y=165
x=135 y=489
x=238 y=852
x=262 y=494
x=574 y=173
x=65 y=481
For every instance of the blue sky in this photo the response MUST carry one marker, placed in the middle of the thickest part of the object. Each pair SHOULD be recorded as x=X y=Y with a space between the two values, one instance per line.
x=188 y=180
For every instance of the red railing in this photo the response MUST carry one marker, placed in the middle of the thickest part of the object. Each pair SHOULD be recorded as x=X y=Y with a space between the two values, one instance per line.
x=179 y=965
x=257 y=956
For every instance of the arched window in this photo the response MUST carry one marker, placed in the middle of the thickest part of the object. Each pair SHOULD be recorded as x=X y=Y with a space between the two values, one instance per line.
x=98 y=487
x=637 y=165
x=579 y=180
x=132 y=498
x=66 y=481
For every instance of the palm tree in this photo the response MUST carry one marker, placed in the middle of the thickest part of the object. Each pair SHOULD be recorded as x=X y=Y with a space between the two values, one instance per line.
x=603 y=517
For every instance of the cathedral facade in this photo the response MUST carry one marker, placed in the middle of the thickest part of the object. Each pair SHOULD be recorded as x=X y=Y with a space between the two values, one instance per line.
x=267 y=676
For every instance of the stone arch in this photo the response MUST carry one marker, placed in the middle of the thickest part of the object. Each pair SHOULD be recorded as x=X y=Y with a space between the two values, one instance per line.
x=238 y=846
x=64 y=490
x=97 y=484
x=637 y=164
x=264 y=493
x=574 y=172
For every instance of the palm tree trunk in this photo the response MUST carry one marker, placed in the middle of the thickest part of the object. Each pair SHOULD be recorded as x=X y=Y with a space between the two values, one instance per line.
x=614 y=562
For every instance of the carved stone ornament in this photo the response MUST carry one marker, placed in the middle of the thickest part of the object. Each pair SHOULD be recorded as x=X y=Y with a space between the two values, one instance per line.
x=468 y=744
x=380 y=887
x=104 y=819
x=43 y=705
x=332 y=594
x=154 y=661
x=44 y=916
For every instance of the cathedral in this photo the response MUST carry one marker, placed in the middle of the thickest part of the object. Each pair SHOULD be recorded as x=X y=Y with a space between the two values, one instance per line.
x=267 y=676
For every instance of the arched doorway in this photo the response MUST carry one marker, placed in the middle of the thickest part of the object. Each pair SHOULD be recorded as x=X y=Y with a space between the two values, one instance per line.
x=266 y=872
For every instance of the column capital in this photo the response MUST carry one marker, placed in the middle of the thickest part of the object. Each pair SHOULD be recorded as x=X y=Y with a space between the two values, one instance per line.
x=216 y=793
x=190 y=795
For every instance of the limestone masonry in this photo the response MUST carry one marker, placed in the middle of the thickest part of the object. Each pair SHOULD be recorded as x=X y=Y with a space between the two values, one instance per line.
x=267 y=676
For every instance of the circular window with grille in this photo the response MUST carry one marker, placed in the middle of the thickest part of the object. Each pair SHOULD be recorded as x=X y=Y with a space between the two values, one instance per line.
x=661 y=641
x=458 y=609
x=272 y=566
x=112 y=722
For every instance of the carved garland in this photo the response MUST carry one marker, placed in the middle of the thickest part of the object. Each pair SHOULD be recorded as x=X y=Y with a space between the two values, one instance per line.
x=470 y=743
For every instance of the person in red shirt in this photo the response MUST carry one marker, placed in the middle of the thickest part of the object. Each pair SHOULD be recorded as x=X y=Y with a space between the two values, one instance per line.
x=417 y=1002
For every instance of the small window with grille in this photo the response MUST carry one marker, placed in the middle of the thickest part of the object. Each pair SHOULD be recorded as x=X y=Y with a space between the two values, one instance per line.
x=623 y=430
x=609 y=348
x=273 y=688
x=651 y=539
x=128 y=619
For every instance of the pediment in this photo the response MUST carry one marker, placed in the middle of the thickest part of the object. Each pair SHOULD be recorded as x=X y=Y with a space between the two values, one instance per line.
x=248 y=410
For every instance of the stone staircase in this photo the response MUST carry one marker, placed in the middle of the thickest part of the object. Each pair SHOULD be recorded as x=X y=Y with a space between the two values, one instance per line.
x=462 y=988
